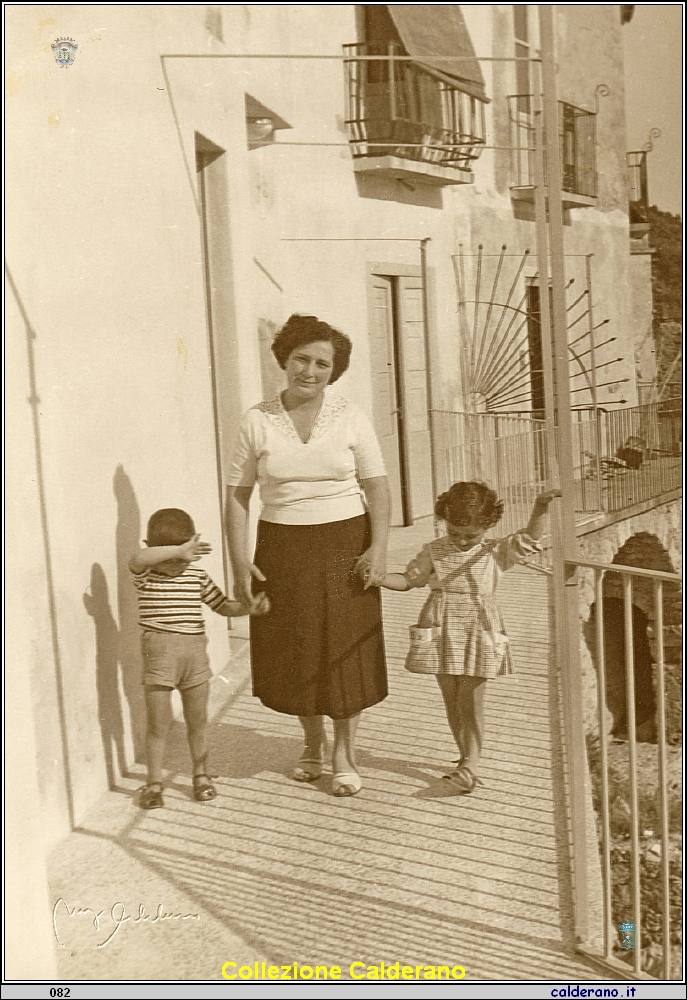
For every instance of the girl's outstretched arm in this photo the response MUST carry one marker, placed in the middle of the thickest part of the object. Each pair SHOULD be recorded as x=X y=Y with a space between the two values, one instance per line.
x=535 y=525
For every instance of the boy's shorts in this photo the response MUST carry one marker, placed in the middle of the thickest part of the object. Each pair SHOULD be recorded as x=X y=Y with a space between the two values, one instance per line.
x=175 y=660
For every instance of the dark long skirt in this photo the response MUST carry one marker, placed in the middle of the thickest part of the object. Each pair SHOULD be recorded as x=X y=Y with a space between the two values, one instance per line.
x=320 y=650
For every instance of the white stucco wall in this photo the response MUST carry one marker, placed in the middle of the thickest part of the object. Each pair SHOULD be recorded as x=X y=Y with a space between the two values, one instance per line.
x=104 y=248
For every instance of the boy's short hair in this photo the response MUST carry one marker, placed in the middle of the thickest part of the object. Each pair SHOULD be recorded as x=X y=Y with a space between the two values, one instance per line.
x=170 y=526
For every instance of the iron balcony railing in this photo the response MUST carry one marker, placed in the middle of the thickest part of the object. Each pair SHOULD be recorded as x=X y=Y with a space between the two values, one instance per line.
x=399 y=109
x=614 y=766
x=644 y=449
x=577 y=139
x=508 y=453
x=638 y=183
x=620 y=458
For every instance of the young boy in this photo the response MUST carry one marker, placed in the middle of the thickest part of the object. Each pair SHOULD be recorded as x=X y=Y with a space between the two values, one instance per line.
x=174 y=644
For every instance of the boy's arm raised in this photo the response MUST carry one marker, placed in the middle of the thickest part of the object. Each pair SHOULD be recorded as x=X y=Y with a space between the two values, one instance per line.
x=190 y=551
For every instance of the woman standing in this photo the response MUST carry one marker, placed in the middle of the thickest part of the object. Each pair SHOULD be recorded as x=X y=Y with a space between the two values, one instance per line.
x=323 y=526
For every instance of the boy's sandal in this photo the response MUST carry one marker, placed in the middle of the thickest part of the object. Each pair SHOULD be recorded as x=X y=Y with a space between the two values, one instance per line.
x=464 y=779
x=203 y=788
x=309 y=768
x=151 y=796
x=346 y=783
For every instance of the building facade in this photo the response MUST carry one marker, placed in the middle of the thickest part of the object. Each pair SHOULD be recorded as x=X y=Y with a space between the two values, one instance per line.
x=169 y=209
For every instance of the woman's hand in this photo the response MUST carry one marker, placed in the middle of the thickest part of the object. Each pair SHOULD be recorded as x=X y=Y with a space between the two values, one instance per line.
x=371 y=567
x=243 y=589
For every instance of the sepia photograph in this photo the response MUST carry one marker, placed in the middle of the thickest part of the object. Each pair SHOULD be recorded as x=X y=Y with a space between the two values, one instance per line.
x=343 y=348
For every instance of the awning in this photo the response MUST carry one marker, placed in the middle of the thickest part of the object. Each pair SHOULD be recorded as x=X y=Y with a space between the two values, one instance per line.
x=439 y=30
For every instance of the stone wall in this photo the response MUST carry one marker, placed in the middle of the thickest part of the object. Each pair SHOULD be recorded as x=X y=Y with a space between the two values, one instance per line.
x=651 y=540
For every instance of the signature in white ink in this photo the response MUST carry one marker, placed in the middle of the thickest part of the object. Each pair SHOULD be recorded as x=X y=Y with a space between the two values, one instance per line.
x=109 y=922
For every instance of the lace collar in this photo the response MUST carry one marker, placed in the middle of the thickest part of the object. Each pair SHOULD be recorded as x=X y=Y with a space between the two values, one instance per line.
x=332 y=407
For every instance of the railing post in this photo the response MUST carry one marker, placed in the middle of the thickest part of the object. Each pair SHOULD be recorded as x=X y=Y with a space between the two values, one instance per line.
x=662 y=771
x=628 y=620
x=592 y=364
x=603 y=745
x=392 y=82
x=565 y=582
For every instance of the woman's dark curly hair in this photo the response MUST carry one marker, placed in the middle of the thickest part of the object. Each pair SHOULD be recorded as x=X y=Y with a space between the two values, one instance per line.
x=300 y=330
x=468 y=503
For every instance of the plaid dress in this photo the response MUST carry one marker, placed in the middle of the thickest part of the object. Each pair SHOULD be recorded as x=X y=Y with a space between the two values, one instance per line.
x=462 y=602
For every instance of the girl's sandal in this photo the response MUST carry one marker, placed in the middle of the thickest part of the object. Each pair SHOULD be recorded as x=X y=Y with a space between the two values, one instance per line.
x=464 y=779
x=203 y=788
x=151 y=796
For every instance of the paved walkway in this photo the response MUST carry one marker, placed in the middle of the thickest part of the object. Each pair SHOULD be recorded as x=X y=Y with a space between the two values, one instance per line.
x=281 y=872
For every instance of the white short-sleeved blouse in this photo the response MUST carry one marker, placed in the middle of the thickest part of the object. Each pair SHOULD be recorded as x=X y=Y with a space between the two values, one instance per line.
x=313 y=482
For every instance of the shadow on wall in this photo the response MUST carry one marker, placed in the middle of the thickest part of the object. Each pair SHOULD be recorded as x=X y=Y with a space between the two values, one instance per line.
x=127 y=541
x=34 y=402
x=97 y=604
x=272 y=375
x=406 y=192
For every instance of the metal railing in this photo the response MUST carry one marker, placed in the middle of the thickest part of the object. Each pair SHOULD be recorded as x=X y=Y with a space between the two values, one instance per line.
x=644 y=449
x=390 y=103
x=620 y=458
x=508 y=453
x=615 y=907
x=577 y=141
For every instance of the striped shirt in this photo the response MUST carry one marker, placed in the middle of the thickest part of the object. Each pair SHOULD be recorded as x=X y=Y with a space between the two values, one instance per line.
x=173 y=603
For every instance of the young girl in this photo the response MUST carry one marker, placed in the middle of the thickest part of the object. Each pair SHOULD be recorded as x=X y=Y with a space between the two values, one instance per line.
x=460 y=635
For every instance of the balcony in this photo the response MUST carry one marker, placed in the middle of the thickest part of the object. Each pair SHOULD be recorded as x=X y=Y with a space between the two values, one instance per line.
x=638 y=184
x=577 y=143
x=620 y=458
x=406 y=123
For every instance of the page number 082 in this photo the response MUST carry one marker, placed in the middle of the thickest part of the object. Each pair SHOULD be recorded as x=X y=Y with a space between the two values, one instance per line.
x=60 y=991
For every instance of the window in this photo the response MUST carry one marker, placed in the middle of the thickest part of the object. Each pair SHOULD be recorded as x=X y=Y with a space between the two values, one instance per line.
x=522 y=51
x=424 y=110
x=534 y=344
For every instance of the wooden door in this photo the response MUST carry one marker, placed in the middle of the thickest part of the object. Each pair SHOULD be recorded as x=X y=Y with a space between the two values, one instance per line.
x=413 y=368
x=385 y=400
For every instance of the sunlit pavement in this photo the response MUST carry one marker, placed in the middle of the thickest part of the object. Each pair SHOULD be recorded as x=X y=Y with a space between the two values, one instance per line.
x=282 y=872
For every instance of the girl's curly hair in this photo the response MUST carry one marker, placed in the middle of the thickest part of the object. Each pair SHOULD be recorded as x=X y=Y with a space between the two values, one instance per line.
x=301 y=330
x=467 y=503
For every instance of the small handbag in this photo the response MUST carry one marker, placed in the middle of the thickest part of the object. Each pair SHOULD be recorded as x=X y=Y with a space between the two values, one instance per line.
x=424 y=655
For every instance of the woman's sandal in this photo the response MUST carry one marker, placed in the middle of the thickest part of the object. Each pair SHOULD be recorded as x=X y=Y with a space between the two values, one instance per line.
x=309 y=768
x=346 y=783
x=151 y=796
x=464 y=779
x=205 y=791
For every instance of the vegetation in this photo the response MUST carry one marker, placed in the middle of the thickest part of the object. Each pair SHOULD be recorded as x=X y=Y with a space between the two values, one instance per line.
x=666 y=273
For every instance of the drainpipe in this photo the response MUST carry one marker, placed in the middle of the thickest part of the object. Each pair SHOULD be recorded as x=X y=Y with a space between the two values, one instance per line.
x=595 y=398
x=428 y=366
